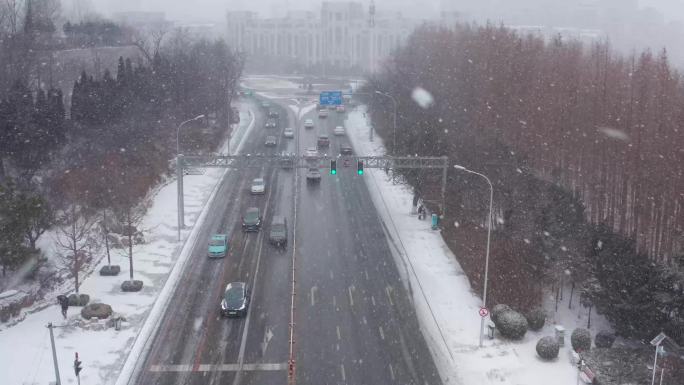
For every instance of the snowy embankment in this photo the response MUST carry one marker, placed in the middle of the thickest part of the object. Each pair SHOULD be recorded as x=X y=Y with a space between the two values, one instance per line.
x=108 y=354
x=447 y=308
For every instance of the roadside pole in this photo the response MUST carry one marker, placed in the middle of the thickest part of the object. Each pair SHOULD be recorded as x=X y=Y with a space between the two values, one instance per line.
x=54 y=354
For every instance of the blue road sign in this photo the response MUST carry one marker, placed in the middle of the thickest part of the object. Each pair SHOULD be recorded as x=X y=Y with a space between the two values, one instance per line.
x=331 y=98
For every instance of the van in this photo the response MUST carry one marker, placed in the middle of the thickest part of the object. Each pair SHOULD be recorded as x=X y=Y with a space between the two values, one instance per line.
x=278 y=232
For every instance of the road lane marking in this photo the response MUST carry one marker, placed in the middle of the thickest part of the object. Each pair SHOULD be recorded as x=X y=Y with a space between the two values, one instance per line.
x=388 y=290
x=351 y=296
x=364 y=320
x=335 y=302
x=332 y=276
x=220 y=367
x=339 y=335
x=382 y=333
x=373 y=300
x=268 y=335
x=344 y=376
x=391 y=371
x=366 y=273
x=313 y=295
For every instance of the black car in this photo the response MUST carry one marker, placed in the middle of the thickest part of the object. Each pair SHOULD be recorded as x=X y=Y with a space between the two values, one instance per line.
x=273 y=114
x=252 y=220
x=235 y=300
x=278 y=234
x=346 y=150
x=271 y=123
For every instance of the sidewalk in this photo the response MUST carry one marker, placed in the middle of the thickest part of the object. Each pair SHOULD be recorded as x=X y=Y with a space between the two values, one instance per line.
x=440 y=287
x=26 y=357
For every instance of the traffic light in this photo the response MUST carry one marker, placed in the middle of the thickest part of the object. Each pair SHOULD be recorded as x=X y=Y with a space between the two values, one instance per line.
x=333 y=166
x=77 y=365
x=359 y=167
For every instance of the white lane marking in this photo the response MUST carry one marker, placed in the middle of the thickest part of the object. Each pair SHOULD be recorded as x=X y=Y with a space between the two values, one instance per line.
x=344 y=376
x=268 y=335
x=373 y=300
x=338 y=347
x=391 y=371
x=339 y=335
x=313 y=295
x=364 y=321
x=382 y=333
x=332 y=276
x=366 y=273
x=220 y=367
x=335 y=302
x=351 y=296
x=388 y=290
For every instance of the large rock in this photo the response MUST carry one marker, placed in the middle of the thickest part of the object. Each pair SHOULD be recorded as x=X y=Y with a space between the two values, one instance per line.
x=79 y=299
x=580 y=340
x=96 y=310
x=133 y=285
x=511 y=324
x=110 y=270
x=547 y=348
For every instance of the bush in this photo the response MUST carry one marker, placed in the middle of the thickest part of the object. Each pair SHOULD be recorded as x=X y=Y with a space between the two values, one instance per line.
x=79 y=299
x=133 y=285
x=604 y=339
x=97 y=310
x=497 y=310
x=110 y=270
x=580 y=340
x=511 y=324
x=547 y=348
x=536 y=319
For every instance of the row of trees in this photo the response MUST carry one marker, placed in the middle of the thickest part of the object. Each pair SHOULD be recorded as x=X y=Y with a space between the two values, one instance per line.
x=583 y=147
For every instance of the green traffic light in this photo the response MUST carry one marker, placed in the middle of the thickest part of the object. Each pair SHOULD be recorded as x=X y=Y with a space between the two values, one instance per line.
x=360 y=172
x=333 y=172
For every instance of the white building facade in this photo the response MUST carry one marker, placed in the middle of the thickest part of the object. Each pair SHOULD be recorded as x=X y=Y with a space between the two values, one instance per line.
x=343 y=35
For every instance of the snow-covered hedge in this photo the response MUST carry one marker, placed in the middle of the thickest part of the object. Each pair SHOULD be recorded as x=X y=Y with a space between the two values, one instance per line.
x=547 y=348
x=536 y=319
x=497 y=310
x=604 y=339
x=511 y=324
x=580 y=340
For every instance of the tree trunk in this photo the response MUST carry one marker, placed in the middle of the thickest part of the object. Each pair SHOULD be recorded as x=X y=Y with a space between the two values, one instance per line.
x=106 y=235
x=130 y=243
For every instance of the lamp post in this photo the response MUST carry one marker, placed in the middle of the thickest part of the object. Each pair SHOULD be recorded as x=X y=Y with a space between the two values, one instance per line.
x=489 y=235
x=179 y=163
x=394 y=135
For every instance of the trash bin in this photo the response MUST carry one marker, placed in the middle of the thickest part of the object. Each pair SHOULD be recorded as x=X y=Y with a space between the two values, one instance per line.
x=560 y=335
x=435 y=221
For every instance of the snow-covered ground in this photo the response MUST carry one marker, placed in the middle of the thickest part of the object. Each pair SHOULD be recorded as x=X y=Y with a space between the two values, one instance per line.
x=440 y=287
x=25 y=353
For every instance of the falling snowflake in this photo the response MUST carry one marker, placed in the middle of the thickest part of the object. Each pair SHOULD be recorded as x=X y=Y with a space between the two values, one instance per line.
x=422 y=97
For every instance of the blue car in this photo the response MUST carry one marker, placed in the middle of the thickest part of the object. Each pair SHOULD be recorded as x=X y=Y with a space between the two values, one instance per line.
x=218 y=246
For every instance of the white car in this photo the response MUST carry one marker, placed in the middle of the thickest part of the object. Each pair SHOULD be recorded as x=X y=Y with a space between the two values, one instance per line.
x=308 y=123
x=322 y=113
x=311 y=153
x=258 y=186
x=288 y=133
x=338 y=131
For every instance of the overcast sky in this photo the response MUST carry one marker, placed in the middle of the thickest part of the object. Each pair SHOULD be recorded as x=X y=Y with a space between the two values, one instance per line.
x=215 y=9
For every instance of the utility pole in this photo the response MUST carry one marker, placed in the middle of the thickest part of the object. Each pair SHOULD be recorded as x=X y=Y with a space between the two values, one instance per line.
x=54 y=354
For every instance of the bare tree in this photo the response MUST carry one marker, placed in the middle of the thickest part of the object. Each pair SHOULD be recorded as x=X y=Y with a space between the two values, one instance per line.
x=72 y=237
x=149 y=42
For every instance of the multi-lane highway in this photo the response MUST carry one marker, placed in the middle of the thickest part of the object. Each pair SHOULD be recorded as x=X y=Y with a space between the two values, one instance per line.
x=354 y=323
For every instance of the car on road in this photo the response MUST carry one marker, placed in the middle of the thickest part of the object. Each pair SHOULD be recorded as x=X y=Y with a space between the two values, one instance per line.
x=308 y=123
x=311 y=153
x=271 y=123
x=287 y=159
x=273 y=114
x=258 y=186
x=252 y=220
x=313 y=175
x=265 y=105
x=278 y=234
x=338 y=131
x=235 y=300
x=340 y=108
x=323 y=141
x=323 y=113
x=218 y=246
x=271 y=141
x=288 y=133
x=346 y=150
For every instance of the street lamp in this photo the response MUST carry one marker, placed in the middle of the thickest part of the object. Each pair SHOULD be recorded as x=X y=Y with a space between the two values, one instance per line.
x=179 y=181
x=394 y=135
x=489 y=234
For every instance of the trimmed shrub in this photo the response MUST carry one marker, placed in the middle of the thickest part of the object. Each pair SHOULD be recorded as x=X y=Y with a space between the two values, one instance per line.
x=547 y=348
x=110 y=270
x=78 y=299
x=133 y=285
x=580 y=340
x=604 y=339
x=511 y=324
x=536 y=319
x=98 y=310
x=497 y=310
